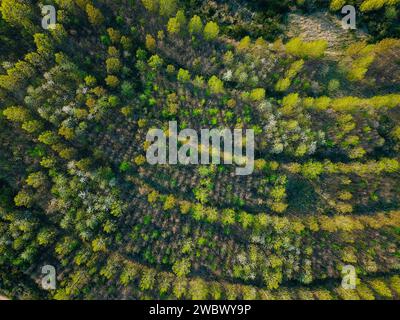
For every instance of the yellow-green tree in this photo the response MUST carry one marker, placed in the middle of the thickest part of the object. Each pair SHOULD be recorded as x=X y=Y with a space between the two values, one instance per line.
x=216 y=85
x=151 y=5
x=95 y=16
x=168 y=7
x=17 y=13
x=313 y=49
x=150 y=43
x=16 y=114
x=211 y=31
x=195 y=25
x=173 y=26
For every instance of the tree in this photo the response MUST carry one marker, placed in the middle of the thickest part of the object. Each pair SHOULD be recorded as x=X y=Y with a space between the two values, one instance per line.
x=336 y=5
x=216 y=85
x=181 y=18
x=148 y=279
x=46 y=236
x=257 y=94
x=99 y=244
x=173 y=26
x=151 y=5
x=357 y=153
x=181 y=267
x=23 y=199
x=36 y=179
x=113 y=65
x=168 y=7
x=380 y=287
x=313 y=49
x=198 y=289
x=371 y=5
x=244 y=44
x=140 y=160
x=48 y=162
x=48 y=137
x=183 y=75
x=211 y=215
x=170 y=202
x=112 y=81
x=67 y=153
x=150 y=43
x=312 y=169
x=90 y=81
x=282 y=85
x=228 y=217
x=126 y=43
x=155 y=62
x=165 y=280
x=129 y=273
x=16 y=114
x=32 y=126
x=59 y=33
x=179 y=287
x=80 y=3
x=67 y=132
x=245 y=219
x=294 y=69
x=127 y=89
x=289 y=103
x=95 y=16
x=333 y=86
x=17 y=13
x=211 y=31
x=114 y=35
x=396 y=133
x=195 y=25
x=44 y=45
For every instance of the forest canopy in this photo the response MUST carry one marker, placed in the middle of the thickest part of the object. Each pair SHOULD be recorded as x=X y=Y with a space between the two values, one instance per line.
x=78 y=194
